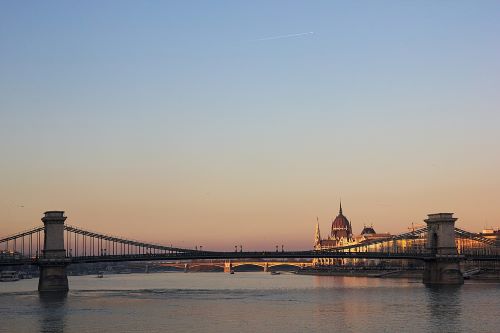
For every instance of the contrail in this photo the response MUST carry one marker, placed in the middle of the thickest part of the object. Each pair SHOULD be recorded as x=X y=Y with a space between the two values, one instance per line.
x=287 y=36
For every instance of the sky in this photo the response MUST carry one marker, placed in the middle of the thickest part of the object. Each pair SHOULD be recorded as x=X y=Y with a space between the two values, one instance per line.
x=218 y=123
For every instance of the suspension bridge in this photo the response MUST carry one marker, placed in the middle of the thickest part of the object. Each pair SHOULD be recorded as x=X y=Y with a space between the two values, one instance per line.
x=55 y=245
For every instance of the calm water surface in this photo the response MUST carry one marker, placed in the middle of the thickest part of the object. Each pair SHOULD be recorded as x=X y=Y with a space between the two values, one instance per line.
x=249 y=302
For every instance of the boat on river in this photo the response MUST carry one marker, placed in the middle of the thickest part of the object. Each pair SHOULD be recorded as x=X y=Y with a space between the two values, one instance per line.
x=9 y=276
x=25 y=275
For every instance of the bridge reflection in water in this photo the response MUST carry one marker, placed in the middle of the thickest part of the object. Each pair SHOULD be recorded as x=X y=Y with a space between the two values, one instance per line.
x=55 y=245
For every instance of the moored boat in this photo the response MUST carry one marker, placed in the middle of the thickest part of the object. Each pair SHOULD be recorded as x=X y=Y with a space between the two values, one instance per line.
x=9 y=276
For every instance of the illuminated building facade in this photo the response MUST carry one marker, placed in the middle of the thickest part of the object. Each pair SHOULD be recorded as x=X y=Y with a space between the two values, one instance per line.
x=369 y=240
x=341 y=235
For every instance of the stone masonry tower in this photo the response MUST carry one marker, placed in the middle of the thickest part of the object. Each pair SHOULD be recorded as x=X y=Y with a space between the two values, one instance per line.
x=53 y=261
x=444 y=268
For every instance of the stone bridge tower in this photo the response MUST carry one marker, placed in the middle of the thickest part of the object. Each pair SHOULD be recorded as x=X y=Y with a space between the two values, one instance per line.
x=53 y=260
x=444 y=268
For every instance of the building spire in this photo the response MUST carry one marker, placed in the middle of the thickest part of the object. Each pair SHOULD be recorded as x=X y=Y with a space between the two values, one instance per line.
x=317 y=234
x=340 y=210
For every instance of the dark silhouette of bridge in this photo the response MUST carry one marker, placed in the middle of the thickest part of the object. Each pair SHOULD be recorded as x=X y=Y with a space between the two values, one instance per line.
x=56 y=245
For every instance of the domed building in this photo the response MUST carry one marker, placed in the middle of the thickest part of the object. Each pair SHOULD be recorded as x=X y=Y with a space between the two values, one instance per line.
x=341 y=227
x=369 y=234
x=368 y=231
x=340 y=234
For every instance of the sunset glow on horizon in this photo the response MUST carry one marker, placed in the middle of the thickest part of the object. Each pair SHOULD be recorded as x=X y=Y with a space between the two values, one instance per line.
x=137 y=122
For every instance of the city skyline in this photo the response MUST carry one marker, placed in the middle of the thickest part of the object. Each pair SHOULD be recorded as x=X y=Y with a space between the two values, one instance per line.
x=221 y=124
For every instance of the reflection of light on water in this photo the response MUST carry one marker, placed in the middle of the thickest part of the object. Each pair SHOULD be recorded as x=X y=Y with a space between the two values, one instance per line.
x=53 y=311
x=325 y=281
x=444 y=306
x=250 y=302
x=359 y=303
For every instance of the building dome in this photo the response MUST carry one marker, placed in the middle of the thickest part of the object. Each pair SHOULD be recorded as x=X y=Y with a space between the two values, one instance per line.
x=341 y=227
x=368 y=231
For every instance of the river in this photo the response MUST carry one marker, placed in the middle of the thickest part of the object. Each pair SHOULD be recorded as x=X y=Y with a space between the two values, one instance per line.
x=249 y=302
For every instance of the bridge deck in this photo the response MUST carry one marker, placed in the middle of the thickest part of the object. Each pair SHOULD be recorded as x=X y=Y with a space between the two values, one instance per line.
x=246 y=255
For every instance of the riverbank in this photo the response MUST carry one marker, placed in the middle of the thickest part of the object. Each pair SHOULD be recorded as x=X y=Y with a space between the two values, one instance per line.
x=490 y=276
x=487 y=276
x=378 y=273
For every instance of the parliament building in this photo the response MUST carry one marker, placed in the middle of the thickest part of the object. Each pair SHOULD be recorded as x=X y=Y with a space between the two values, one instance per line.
x=341 y=235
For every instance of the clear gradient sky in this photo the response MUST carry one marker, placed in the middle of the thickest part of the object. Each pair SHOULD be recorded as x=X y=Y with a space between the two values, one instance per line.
x=186 y=122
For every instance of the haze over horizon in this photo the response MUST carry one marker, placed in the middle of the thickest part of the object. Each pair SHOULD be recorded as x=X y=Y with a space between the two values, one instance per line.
x=192 y=124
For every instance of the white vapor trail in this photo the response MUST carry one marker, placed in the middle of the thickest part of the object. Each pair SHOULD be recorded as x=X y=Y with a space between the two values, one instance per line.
x=287 y=36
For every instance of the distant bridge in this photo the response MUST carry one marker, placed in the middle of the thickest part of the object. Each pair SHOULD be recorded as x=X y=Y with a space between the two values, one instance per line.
x=55 y=245
x=229 y=265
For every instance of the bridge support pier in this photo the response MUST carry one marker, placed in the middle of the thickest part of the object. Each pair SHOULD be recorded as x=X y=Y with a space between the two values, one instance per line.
x=53 y=262
x=53 y=278
x=444 y=268
x=228 y=267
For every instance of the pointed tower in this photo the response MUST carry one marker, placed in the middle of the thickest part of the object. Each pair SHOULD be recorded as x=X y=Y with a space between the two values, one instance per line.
x=317 y=235
x=341 y=227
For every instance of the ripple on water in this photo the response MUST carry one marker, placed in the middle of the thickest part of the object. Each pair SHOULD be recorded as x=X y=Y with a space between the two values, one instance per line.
x=250 y=302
